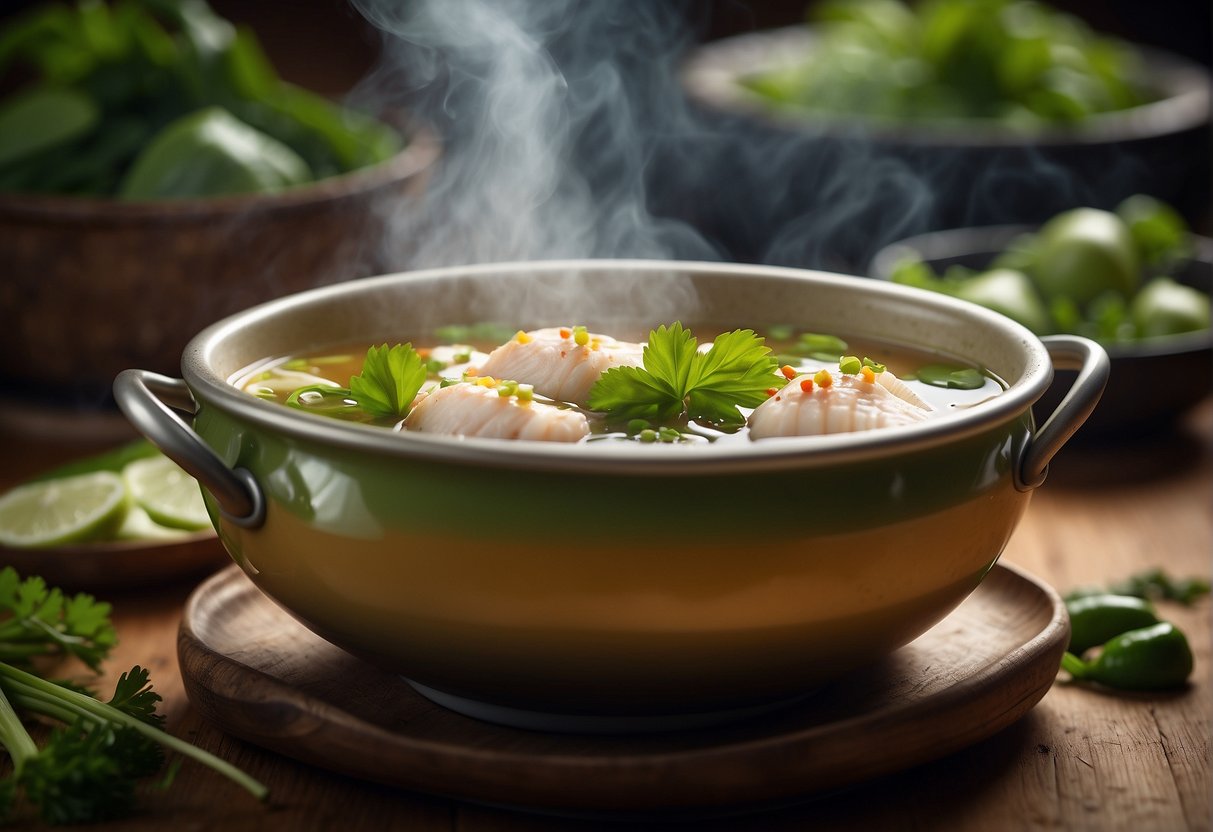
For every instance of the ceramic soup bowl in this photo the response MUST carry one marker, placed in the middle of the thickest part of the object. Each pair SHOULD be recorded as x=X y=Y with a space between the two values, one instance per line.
x=613 y=585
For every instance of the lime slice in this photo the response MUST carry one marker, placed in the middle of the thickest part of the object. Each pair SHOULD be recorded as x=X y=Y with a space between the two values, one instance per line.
x=57 y=512
x=138 y=526
x=170 y=496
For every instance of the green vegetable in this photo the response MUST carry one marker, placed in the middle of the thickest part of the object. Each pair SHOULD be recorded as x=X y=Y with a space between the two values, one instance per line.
x=385 y=388
x=1010 y=293
x=390 y=380
x=1154 y=584
x=1159 y=232
x=1156 y=657
x=1083 y=253
x=850 y=364
x=43 y=118
x=677 y=381
x=1084 y=272
x=93 y=84
x=816 y=345
x=1164 y=307
x=37 y=621
x=1021 y=65
x=952 y=377
x=1096 y=618
x=89 y=767
x=210 y=153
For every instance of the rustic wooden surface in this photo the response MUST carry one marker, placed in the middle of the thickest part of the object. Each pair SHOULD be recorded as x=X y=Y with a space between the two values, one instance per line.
x=1079 y=760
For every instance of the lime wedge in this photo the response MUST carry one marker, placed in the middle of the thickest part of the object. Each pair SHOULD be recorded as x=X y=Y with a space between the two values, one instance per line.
x=170 y=496
x=57 y=512
x=138 y=526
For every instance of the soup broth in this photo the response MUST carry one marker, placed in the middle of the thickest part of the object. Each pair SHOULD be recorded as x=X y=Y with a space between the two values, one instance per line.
x=320 y=383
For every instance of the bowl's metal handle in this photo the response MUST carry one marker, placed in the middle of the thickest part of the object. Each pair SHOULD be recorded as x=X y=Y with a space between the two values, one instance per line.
x=147 y=399
x=1069 y=352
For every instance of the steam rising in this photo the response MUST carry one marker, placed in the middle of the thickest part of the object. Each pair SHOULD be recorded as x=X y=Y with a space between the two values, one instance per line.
x=545 y=111
x=567 y=134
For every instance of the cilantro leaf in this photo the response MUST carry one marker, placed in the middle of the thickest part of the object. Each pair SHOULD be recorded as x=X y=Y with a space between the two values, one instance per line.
x=389 y=381
x=37 y=621
x=679 y=381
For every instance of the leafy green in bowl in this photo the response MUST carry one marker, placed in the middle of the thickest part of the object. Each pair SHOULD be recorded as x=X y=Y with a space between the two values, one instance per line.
x=163 y=99
x=1019 y=64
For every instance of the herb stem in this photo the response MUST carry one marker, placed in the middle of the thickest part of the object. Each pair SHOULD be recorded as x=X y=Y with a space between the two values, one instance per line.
x=13 y=735
x=33 y=688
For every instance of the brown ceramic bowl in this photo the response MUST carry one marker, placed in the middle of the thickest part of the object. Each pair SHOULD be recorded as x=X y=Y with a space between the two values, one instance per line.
x=93 y=286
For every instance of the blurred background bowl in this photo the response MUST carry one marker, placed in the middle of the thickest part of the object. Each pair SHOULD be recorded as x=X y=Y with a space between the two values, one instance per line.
x=1153 y=380
x=96 y=285
x=828 y=192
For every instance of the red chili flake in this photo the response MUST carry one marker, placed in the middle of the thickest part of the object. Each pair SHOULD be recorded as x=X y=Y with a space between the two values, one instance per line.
x=789 y=372
x=771 y=391
x=806 y=385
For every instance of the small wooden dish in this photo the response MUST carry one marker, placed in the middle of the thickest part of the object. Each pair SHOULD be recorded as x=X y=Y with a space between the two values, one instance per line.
x=98 y=567
x=256 y=673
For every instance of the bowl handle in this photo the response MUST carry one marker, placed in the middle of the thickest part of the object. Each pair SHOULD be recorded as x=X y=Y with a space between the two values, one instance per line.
x=1068 y=352
x=147 y=400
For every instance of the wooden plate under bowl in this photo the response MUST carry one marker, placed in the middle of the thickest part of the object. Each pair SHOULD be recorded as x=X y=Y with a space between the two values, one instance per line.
x=258 y=674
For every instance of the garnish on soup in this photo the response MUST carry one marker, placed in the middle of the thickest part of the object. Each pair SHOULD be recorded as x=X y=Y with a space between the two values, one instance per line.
x=568 y=384
x=679 y=381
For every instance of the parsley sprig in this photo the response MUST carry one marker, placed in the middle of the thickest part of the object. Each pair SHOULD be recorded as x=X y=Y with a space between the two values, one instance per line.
x=679 y=382
x=90 y=765
x=390 y=379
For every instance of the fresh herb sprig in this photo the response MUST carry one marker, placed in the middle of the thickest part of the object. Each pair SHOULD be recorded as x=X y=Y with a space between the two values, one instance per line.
x=390 y=379
x=679 y=382
x=40 y=621
x=1152 y=585
x=90 y=765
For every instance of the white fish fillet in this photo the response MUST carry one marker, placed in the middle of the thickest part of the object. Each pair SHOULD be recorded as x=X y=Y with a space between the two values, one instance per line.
x=849 y=404
x=472 y=410
x=900 y=389
x=557 y=366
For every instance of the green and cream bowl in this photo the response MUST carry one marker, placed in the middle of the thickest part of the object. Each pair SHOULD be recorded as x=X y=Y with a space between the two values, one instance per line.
x=613 y=585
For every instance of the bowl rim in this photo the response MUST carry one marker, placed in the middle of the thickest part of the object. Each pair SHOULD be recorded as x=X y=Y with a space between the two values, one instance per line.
x=710 y=72
x=979 y=240
x=421 y=150
x=210 y=389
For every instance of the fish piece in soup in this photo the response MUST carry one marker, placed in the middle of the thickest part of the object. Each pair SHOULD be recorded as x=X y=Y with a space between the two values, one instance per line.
x=825 y=402
x=561 y=363
x=488 y=410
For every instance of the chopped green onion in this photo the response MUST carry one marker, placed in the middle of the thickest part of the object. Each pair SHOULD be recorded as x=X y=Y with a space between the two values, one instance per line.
x=951 y=377
x=876 y=367
x=850 y=364
x=819 y=343
x=647 y=435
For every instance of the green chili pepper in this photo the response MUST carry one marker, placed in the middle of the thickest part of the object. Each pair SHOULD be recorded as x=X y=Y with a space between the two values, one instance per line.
x=1150 y=658
x=1096 y=618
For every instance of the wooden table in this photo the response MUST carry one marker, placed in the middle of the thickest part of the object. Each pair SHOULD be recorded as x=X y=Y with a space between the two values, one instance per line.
x=1079 y=760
